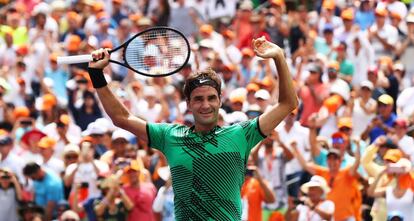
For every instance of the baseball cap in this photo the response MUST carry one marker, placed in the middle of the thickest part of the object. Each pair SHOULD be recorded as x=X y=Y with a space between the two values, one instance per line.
x=386 y=99
x=73 y=43
x=262 y=94
x=328 y=28
x=393 y=155
x=347 y=14
x=313 y=67
x=247 y=52
x=94 y=128
x=206 y=29
x=48 y=101
x=334 y=151
x=410 y=18
x=328 y=4
x=122 y=134
x=133 y=165
x=367 y=84
x=22 y=111
x=278 y=2
x=333 y=65
x=338 y=137
x=345 y=122
x=252 y=87
x=32 y=135
x=238 y=95
x=71 y=148
x=46 y=142
x=381 y=11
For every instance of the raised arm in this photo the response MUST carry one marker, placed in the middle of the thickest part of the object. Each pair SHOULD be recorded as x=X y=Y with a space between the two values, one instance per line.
x=118 y=113
x=288 y=100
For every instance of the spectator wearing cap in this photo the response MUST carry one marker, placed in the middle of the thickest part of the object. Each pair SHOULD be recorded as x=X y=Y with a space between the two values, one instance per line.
x=119 y=143
x=153 y=107
x=251 y=88
x=398 y=197
x=378 y=80
x=74 y=28
x=277 y=26
x=237 y=98
x=313 y=92
x=115 y=197
x=95 y=134
x=9 y=159
x=70 y=154
x=405 y=142
x=262 y=99
x=11 y=193
x=142 y=194
x=64 y=131
x=328 y=16
x=343 y=182
x=30 y=151
x=47 y=186
x=289 y=131
x=8 y=55
x=246 y=65
x=326 y=43
x=405 y=48
x=69 y=215
x=395 y=20
x=46 y=146
x=315 y=204
x=233 y=53
x=400 y=73
x=380 y=125
x=106 y=29
x=343 y=33
x=22 y=121
x=86 y=170
x=231 y=77
x=361 y=107
x=382 y=35
x=85 y=110
x=48 y=109
x=333 y=74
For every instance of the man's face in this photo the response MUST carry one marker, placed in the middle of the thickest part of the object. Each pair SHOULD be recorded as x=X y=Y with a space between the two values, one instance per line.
x=119 y=145
x=5 y=150
x=37 y=176
x=384 y=109
x=315 y=193
x=334 y=162
x=204 y=103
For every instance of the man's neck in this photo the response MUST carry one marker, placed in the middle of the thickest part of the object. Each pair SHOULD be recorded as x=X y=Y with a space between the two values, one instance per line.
x=204 y=129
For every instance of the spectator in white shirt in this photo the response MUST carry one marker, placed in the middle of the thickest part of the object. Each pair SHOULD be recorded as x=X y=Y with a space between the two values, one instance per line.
x=46 y=146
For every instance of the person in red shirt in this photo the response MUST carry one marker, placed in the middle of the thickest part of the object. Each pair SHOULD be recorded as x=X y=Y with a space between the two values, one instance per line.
x=258 y=25
x=142 y=194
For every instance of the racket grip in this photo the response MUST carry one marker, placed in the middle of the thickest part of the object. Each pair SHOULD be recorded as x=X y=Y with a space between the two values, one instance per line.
x=75 y=59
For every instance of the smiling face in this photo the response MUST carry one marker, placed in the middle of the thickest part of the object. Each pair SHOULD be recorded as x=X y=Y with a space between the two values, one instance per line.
x=204 y=102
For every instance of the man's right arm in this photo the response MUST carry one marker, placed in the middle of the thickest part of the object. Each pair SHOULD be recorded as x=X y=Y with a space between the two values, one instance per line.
x=118 y=113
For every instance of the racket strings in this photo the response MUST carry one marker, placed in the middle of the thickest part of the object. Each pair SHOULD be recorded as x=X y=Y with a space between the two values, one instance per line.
x=157 y=52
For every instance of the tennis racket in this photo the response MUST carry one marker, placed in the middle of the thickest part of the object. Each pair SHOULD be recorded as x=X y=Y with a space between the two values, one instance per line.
x=154 y=52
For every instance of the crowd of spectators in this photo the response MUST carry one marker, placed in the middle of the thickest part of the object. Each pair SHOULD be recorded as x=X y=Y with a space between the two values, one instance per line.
x=345 y=154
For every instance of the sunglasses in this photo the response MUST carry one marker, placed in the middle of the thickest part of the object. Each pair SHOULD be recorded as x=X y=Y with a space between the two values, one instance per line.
x=345 y=129
x=71 y=157
x=337 y=140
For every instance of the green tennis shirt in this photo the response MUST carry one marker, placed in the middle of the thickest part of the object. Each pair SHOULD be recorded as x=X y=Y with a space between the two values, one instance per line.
x=207 y=170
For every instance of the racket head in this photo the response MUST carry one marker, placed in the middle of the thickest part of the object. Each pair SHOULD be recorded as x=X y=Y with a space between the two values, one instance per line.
x=156 y=52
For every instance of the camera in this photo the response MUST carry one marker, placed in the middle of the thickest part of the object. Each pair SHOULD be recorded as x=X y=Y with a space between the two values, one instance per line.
x=84 y=185
x=26 y=122
x=297 y=201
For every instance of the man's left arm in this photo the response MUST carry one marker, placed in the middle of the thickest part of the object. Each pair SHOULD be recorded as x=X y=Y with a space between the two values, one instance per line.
x=288 y=100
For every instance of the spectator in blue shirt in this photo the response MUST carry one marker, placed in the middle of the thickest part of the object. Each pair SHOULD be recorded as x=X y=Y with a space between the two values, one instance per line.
x=48 y=188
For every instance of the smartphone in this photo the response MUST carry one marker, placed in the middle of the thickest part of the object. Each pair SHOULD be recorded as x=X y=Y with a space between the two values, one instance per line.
x=86 y=146
x=298 y=201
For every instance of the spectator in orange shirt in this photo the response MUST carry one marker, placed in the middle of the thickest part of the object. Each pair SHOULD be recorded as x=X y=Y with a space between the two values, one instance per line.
x=343 y=183
x=255 y=191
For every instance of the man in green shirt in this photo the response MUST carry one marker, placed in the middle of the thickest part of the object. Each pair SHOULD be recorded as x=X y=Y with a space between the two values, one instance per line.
x=207 y=161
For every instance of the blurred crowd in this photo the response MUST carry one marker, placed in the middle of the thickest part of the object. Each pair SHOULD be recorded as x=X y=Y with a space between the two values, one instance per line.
x=345 y=154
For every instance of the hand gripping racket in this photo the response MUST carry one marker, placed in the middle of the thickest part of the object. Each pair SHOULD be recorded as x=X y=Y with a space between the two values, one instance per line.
x=154 y=52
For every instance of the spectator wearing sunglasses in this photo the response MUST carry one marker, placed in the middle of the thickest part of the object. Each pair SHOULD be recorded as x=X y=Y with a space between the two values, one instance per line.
x=11 y=193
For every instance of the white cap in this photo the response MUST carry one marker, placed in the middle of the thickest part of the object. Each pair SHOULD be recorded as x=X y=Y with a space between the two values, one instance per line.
x=164 y=172
x=42 y=8
x=106 y=124
x=121 y=133
x=206 y=43
x=71 y=148
x=315 y=181
x=263 y=94
x=367 y=84
x=94 y=128
x=342 y=89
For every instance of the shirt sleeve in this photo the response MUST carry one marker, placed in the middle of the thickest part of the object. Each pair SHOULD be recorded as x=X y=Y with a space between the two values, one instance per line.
x=157 y=134
x=252 y=133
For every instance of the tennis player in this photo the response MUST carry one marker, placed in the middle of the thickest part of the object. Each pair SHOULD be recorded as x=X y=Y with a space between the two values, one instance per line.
x=207 y=162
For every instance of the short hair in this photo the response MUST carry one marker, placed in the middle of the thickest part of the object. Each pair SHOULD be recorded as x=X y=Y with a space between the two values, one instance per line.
x=31 y=168
x=208 y=73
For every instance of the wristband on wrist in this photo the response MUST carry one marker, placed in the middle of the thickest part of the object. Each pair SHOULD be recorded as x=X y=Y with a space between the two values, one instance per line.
x=97 y=77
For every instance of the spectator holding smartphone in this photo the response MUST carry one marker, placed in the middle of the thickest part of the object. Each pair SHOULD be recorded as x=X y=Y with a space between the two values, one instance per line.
x=398 y=197
x=11 y=194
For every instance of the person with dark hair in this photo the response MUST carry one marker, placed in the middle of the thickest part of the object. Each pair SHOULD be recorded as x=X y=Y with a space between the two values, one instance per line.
x=87 y=112
x=208 y=162
x=47 y=186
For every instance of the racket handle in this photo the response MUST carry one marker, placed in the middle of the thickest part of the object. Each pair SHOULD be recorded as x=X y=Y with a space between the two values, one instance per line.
x=75 y=59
